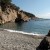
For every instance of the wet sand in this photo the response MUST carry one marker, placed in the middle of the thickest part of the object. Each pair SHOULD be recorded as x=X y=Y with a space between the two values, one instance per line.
x=18 y=41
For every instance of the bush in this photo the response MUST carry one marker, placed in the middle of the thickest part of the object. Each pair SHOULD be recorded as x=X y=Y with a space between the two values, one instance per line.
x=4 y=3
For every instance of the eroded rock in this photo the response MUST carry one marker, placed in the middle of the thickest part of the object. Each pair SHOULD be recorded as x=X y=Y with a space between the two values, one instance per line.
x=12 y=14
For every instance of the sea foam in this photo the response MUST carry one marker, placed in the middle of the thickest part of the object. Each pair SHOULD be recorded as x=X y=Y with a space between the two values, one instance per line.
x=9 y=30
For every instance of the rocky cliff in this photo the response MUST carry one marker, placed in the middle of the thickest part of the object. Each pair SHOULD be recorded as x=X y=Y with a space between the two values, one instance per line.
x=12 y=13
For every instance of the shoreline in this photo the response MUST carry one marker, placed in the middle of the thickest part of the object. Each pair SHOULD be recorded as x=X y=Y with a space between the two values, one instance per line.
x=18 y=41
x=15 y=31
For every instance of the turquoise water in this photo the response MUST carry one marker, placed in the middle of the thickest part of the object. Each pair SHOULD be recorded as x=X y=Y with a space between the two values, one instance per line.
x=38 y=27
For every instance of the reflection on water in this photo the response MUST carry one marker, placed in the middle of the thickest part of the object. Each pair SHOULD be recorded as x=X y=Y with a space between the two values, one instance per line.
x=32 y=26
x=13 y=26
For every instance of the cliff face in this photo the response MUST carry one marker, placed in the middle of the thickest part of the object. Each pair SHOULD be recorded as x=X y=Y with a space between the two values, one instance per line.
x=7 y=15
x=12 y=14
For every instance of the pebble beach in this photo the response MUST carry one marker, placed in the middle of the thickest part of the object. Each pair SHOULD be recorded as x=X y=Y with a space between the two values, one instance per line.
x=18 y=41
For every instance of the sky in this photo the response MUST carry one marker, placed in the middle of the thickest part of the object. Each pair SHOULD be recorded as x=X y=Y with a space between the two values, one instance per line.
x=40 y=8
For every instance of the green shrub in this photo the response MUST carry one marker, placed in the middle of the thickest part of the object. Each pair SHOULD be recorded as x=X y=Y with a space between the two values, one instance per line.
x=4 y=3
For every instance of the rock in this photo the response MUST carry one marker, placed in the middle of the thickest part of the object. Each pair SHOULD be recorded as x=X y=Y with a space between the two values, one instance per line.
x=48 y=33
x=22 y=17
x=8 y=16
x=25 y=17
x=45 y=43
x=18 y=19
x=12 y=14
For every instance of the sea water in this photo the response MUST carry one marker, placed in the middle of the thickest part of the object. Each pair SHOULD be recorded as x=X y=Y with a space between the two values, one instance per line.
x=32 y=26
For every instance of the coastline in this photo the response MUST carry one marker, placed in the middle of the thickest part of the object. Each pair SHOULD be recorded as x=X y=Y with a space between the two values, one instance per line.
x=18 y=41
x=39 y=36
x=15 y=31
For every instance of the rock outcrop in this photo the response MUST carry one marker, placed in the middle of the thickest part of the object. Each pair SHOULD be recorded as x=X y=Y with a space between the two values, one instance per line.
x=8 y=15
x=45 y=43
x=48 y=33
x=13 y=14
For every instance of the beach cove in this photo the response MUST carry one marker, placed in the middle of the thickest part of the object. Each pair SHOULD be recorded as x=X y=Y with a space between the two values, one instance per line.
x=26 y=27
x=18 y=41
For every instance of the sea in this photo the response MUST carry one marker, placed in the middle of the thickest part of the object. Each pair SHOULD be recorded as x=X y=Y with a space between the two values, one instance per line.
x=30 y=27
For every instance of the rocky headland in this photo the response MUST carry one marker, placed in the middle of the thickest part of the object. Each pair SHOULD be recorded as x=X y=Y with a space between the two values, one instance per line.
x=12 y=13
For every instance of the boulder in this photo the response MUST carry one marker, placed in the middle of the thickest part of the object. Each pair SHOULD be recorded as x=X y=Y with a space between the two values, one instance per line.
x=48 y=33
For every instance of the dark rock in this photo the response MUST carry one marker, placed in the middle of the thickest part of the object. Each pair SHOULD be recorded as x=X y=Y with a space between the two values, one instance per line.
x=48 y=33
x=43 y=45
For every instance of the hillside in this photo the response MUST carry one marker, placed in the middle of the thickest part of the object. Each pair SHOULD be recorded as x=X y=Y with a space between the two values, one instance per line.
x=12 y=13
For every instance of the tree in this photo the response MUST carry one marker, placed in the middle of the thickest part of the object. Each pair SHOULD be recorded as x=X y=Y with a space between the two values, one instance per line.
x=4 y=3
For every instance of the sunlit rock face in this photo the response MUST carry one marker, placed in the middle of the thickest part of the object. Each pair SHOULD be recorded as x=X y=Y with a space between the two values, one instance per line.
x=0 y=14
x=8 y=15
x=13 y=14
x=22 y=17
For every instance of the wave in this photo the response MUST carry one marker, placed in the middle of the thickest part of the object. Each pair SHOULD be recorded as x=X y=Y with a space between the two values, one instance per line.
x=9 y=30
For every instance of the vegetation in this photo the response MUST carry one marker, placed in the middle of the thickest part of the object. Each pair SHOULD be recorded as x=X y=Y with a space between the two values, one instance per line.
x=28 y=14
x=4 y=3
x=13 y=6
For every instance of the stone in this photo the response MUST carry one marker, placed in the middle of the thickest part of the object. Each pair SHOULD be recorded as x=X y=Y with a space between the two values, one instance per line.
x=11 y=14
x=48 y=33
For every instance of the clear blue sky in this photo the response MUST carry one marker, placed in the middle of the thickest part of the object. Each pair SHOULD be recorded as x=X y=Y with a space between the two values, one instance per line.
x=41 y=8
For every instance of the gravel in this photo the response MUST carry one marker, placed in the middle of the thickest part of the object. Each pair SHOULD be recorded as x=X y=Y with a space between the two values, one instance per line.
x=17 y=41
